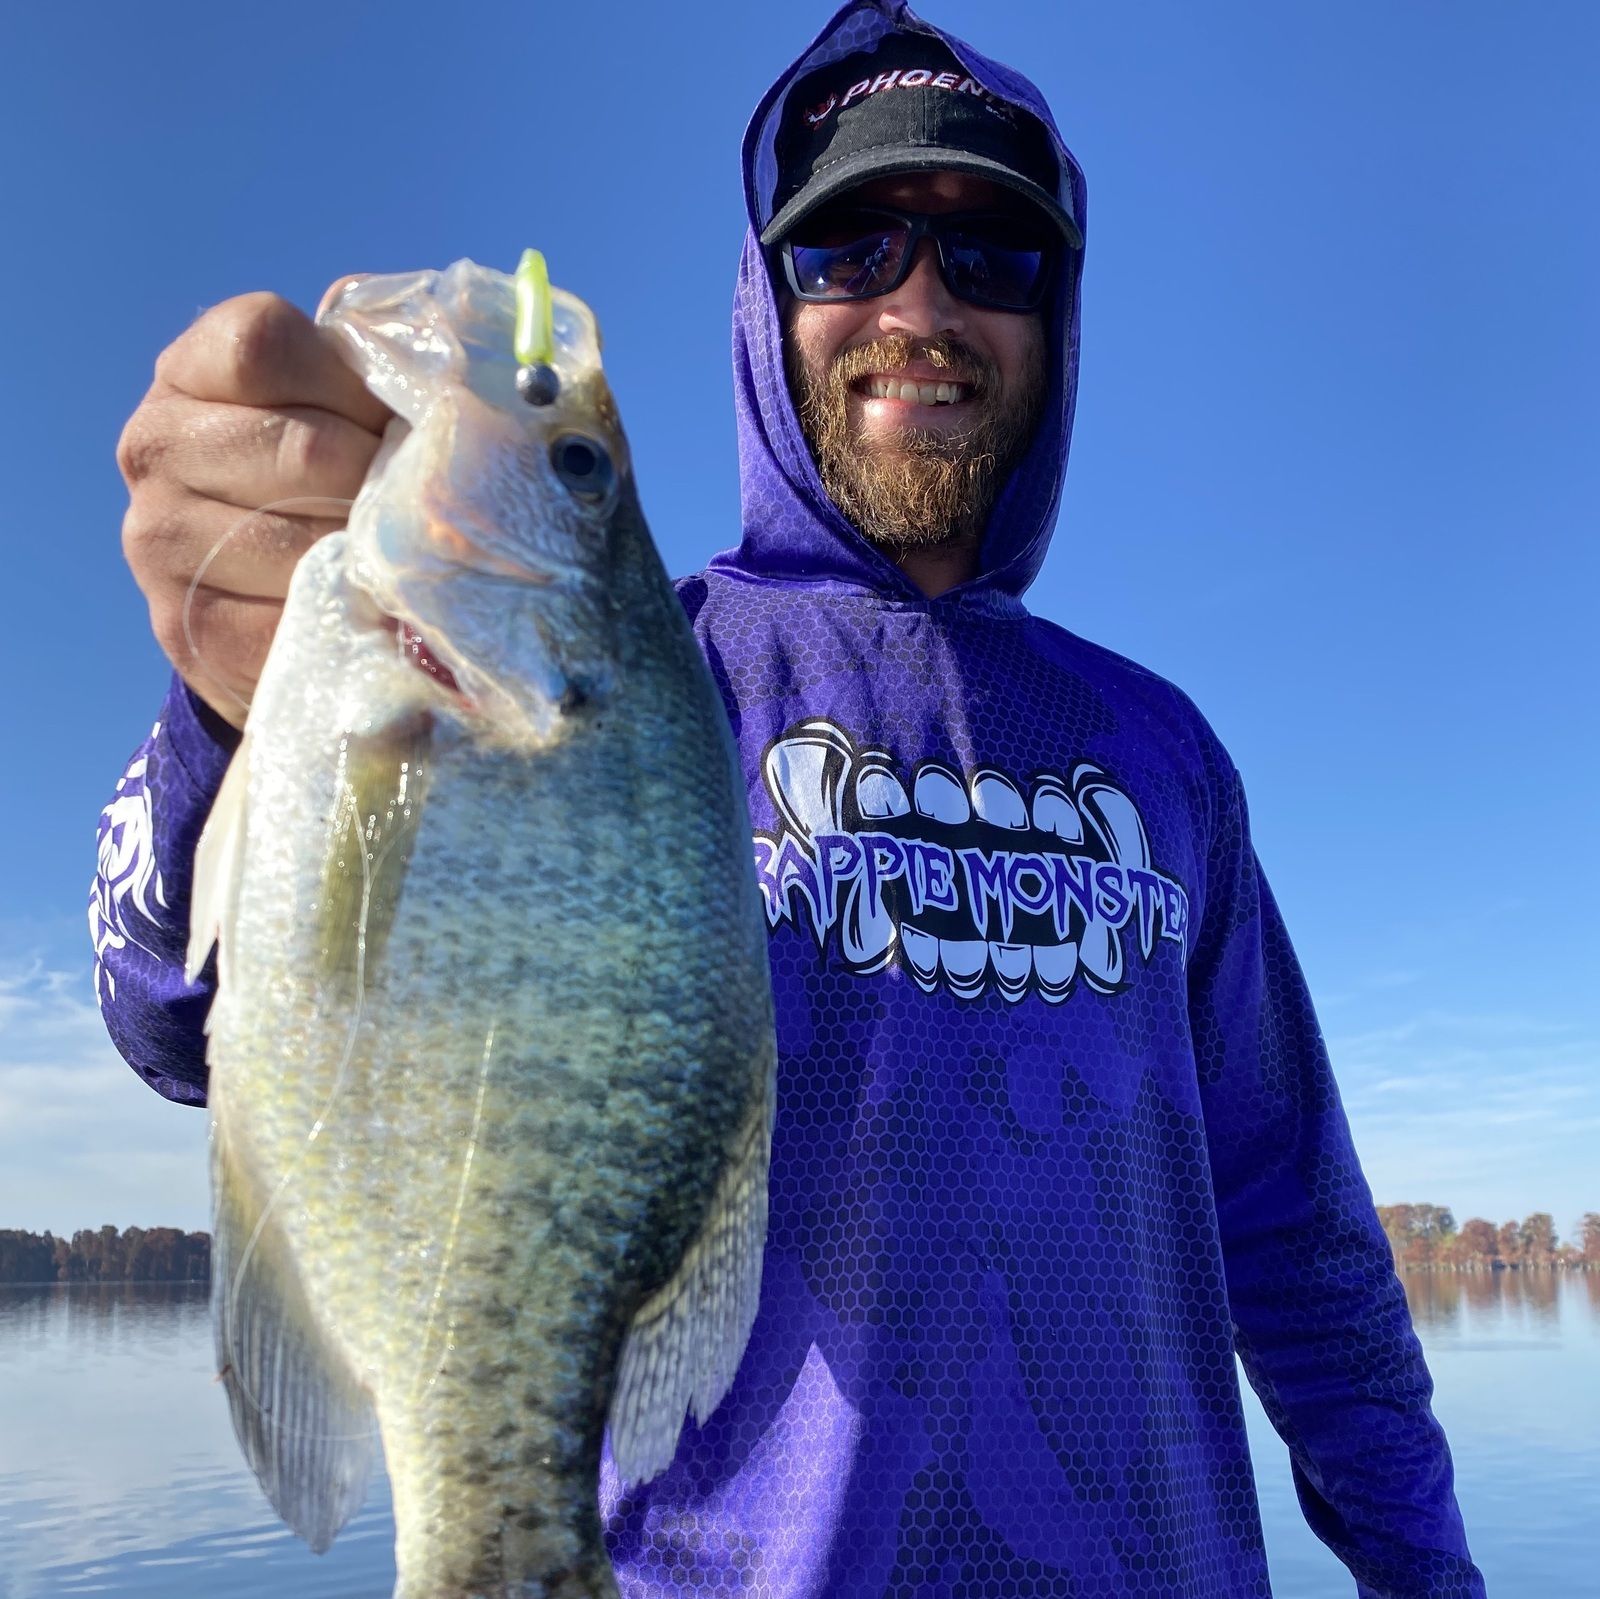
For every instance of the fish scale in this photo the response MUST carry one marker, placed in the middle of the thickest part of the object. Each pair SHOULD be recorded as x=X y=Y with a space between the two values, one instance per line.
x=492 y=1048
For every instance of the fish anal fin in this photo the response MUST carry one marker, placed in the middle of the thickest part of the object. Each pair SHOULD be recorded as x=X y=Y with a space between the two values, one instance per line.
x=304 y=1422
x=686 y=1340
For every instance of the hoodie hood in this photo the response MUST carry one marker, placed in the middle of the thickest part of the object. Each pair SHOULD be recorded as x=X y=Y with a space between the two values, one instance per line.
x=791 y=530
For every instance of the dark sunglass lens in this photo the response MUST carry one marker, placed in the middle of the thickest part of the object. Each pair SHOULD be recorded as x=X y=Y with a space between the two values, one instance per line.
x=844 y=256
x=1000 y=262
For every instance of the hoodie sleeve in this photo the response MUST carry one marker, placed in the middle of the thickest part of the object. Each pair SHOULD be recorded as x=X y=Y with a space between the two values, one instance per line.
x=139 y=901
x=1320 y=1318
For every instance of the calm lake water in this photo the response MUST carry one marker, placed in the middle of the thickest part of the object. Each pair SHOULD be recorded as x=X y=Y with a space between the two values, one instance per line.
x=119 y=1473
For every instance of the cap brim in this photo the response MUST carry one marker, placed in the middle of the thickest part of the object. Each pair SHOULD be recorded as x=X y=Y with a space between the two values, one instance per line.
x=886 y=162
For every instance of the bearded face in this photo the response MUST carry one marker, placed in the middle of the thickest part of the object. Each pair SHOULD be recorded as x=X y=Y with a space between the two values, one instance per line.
x=910 y=474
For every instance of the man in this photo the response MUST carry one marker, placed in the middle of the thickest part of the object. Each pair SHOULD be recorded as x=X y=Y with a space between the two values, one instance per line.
x=1056 y=1132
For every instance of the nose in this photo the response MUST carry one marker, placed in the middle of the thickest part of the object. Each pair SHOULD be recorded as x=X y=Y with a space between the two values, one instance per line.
x=922 y=305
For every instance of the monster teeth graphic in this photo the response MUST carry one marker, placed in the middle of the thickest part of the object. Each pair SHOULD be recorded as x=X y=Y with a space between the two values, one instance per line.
x=866 y=929
x=964 y=961
x=1122 y=828
x=972 y=884
x=1013 y=965
x=940 y=797
x=1055 y=966
x=1100 y=950
x=804 y=774
x=995 y=799
x=922 y=953
x=880 y=794
x=1054 y=812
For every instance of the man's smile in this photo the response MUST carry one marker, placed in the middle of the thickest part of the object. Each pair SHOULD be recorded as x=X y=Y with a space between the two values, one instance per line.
x=919 y=384
x=912 y=391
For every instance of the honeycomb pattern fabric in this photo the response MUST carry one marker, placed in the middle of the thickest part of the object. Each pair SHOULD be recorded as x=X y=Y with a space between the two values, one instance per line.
x=1056 y=1131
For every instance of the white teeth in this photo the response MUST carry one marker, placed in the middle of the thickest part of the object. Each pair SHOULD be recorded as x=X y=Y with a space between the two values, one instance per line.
x=939 y=797
x=922 y=950
x=921 y=393
x=880 y=794
x=805 y=774
x=963 y=960
x=867 y=932
x=1012 y=963
x=995 y=799
x=1057 y=965
x=1100 y=950
x=1055 y=813
x=1120 y=823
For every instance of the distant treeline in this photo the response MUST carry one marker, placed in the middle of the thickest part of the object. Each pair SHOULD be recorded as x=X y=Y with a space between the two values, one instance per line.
x=1421 y=1236
x=1426 y=1236
x=139 y=1255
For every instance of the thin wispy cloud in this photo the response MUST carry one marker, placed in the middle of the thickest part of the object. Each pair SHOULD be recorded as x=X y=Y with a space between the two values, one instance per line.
x=82 y=1141
x=1493 y=1114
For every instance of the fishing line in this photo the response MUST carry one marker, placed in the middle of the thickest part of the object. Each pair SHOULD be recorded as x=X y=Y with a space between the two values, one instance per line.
x=216 y=549
x=455 y=1221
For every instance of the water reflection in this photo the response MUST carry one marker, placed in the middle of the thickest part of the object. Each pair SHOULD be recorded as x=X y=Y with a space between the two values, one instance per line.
x=1444 y=1303
x=1515 y=1360
x=119 y=1473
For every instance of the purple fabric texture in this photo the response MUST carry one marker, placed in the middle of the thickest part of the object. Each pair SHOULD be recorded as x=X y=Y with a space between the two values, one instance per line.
x=139 y=900
x=1056 y=1130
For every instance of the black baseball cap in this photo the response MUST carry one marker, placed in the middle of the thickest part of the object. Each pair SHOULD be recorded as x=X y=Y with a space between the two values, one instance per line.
x=906 y=106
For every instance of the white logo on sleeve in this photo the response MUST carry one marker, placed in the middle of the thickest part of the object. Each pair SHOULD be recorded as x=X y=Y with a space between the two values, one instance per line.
x=127 y=875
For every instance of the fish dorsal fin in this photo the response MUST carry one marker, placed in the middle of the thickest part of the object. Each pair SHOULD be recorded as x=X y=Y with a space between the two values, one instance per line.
x=218 y=862
x=305 y=1424
x=687 y=1339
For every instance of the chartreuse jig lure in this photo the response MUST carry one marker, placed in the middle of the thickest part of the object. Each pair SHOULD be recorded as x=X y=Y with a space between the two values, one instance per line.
x=534 y=341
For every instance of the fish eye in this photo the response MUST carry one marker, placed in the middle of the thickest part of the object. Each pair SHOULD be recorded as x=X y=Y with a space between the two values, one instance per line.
x=583 y=465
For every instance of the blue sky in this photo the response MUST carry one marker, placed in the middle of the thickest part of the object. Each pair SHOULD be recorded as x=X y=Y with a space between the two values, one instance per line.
x=1334 y=471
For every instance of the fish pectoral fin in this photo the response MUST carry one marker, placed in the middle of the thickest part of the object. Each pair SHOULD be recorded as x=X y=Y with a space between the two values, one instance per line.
x=218 y=860
x=381 y=779
x=305 y=1424
x=687 y=1340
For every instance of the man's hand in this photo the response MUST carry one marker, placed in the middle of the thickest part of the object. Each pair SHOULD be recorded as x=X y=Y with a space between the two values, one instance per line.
x=252 y=404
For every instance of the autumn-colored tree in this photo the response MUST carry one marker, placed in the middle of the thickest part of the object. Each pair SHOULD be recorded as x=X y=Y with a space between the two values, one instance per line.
x=1419 y=1235
x=1510 y=1243
x=1393 y=1220
x=1480 y=1244
x=197 y=1257
x=156 y=1254
x=1589 y=1232
x=26 y=1257
x=1539 y=1239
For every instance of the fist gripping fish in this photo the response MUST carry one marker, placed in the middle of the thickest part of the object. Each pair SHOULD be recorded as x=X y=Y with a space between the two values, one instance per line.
x=491 y=1053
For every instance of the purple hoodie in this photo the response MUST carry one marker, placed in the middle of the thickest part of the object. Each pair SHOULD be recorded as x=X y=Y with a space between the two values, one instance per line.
x=1056 y=1130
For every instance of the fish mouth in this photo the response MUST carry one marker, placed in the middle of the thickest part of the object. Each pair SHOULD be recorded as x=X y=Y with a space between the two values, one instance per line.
x=413 y=647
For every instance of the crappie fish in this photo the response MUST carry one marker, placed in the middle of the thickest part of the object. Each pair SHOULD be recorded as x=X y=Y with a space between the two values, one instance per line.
x=491 y=1054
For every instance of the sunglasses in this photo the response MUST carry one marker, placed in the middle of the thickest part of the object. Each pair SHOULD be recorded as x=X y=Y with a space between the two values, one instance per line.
x=991 y=258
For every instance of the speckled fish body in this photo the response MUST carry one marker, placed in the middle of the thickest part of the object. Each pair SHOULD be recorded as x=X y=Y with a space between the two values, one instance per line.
x=491 y=1056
